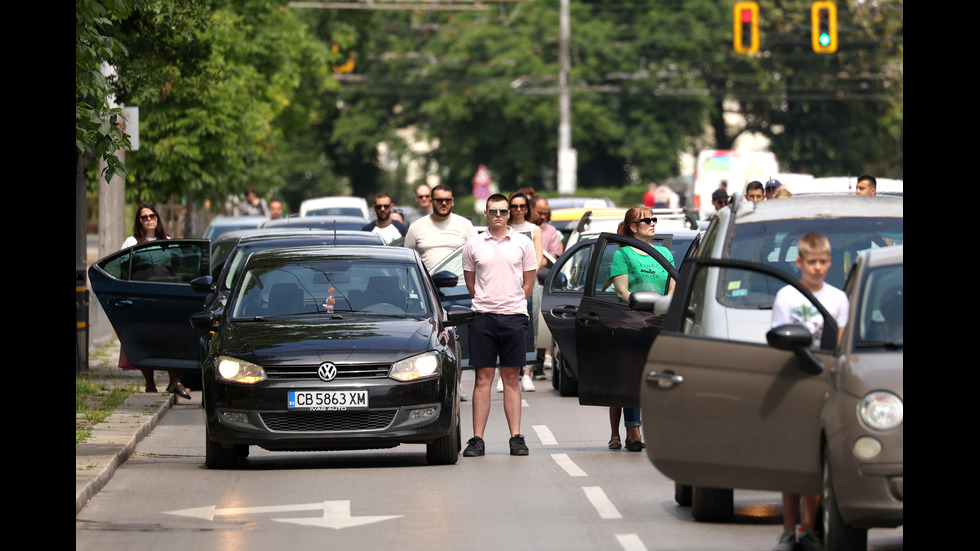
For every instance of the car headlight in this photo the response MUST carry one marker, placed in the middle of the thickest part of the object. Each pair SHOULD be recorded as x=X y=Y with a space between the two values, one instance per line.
x=881 y=410
x=239 y=371
x=423 y=366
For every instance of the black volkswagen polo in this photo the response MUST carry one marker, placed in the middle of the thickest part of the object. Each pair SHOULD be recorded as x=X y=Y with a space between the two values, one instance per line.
x=326 y=348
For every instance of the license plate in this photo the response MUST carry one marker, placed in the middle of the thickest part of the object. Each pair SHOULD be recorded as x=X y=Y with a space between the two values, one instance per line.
x=328 y=400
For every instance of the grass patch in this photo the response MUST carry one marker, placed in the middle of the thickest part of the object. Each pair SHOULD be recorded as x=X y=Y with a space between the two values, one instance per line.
x=96 y=400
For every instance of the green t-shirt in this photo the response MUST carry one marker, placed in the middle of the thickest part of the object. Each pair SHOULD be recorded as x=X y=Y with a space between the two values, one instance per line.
x=645 y=273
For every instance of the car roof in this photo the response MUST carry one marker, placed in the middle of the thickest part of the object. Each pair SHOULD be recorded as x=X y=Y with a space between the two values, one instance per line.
x=579 y=202
x=844 y=184
x=222 y=220
x=314 y=221
x=885 y=256
x=311 y=233
x=366 y=252
x=818 y=206
x=335 y=201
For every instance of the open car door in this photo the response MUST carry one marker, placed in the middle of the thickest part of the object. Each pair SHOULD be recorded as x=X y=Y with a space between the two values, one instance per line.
x=145 y=292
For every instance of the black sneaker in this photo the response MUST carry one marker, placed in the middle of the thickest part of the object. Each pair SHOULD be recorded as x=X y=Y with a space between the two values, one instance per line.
x=474 y=447
x=517 y=445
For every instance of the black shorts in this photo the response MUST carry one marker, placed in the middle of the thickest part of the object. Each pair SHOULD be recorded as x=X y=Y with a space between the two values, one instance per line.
x=493 y=335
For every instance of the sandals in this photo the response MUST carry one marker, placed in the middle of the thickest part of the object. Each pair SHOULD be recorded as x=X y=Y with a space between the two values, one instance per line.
x=634 y=445
x=615 y=443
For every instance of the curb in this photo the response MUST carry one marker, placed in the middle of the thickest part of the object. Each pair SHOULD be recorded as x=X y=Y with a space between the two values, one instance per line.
x=113 y=442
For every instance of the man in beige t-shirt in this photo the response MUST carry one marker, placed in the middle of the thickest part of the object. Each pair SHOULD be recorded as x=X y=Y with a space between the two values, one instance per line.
x=440 y=233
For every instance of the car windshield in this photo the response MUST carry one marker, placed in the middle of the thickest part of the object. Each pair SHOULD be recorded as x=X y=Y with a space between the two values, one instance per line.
x=880 y=320
x=773 y=244
x=314 y=288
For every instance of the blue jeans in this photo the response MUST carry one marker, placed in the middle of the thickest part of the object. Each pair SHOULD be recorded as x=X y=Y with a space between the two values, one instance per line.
x=631 y=417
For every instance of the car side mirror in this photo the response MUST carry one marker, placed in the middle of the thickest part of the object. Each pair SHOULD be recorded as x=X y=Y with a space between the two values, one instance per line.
x=459 y=315
x=543 y=274
x=204 y=321
x=796 y=339
x=445 y=278
x=649 y=301
x=203 y=284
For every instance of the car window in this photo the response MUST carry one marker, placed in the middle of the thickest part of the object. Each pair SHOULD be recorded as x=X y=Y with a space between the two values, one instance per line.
x=572 y=271
x=335 y=211
x=316 y=288
x=161 y=262
x=881 y=317
x=773 y=244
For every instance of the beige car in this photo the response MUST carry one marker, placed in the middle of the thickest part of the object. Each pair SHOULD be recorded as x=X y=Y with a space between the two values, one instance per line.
x=780 y=415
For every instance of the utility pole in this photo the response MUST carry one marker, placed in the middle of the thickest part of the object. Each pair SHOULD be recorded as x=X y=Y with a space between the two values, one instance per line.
x=567 y=158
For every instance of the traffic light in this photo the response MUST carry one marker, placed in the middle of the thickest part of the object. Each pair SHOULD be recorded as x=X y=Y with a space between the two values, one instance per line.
x=745 y=18
x=823 y=22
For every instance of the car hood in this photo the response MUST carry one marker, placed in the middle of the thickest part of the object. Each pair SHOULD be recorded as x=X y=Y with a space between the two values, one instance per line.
x=878 y=370
x=374 y=340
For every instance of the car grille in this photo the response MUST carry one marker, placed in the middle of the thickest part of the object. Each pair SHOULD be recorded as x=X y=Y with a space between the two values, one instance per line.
x=328 y=421
x=344 y=372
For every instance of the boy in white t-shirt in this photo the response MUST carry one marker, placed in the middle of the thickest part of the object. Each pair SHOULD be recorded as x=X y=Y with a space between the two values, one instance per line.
x=791 y=307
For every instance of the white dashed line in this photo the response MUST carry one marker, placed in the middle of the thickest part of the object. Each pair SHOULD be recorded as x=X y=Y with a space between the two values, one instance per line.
x=545 y=435
x=601 y=503
x=565 y=463
x=630 y=542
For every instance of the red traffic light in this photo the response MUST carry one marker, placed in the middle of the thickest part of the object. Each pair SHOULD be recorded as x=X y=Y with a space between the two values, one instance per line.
x=745 y=20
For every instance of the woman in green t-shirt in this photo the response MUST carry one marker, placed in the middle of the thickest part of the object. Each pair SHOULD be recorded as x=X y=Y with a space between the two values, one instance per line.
x=635 y=270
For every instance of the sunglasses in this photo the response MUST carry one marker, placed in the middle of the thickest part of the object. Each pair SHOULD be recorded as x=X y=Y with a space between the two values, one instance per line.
x=444 y=200
x=145 y=217
x=520 y=206
x=498 y=212
x=423 y=196
x=380 y=207
x=647 y=220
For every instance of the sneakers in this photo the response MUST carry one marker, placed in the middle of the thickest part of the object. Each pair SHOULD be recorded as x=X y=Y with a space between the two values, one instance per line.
x=787 y=542
x=517 y=445
x=547 y=361
x=475 y=447
x=527 y=384
x=500 y=385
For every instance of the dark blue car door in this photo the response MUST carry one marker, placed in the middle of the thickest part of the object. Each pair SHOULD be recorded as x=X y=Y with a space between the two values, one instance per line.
x=611 y=340
x=146 y=294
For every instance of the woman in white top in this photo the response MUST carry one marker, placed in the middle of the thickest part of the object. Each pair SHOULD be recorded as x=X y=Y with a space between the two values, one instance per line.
x=520 y=206
x=149 y=227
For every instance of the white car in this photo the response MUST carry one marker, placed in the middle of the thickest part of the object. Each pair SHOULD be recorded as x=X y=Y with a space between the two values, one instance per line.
x=332 y=206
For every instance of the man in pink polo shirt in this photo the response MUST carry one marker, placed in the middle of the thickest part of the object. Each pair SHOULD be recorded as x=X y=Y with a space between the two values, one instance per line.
x=499 y=267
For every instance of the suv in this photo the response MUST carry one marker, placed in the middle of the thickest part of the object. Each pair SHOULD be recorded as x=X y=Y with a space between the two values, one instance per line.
x=729 y=403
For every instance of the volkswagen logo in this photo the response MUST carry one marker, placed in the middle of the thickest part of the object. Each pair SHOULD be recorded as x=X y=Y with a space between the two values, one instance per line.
x=327 y=371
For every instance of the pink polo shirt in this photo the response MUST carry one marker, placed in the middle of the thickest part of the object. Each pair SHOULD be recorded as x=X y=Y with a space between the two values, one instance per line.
x=499 y=265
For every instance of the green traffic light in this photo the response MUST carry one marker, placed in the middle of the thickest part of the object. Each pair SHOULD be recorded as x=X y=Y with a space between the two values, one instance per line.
x=824 y=39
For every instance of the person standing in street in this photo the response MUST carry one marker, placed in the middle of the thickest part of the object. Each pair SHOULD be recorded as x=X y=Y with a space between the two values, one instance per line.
x=499 y=267
x=866 y=185
x=149 y=227
x=384 y=225
x=275 y=209
x=754 y=191
x=520 y=207
x=423 y=198
x=254 y=205
x=441 y=232
x=552 y=245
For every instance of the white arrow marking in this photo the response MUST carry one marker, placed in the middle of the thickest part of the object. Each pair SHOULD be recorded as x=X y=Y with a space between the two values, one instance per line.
x=336 y=514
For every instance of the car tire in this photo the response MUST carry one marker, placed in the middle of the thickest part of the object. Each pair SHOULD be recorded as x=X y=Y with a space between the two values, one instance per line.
x=683 y=494
x=217 y=456
x=445 y=449
x=567 y=386
x=712 y=504
x=837 y=534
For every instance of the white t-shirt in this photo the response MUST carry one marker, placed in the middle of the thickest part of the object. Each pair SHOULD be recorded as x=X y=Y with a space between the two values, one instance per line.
x=790 y=306
x=435 y=240
x=131 y=240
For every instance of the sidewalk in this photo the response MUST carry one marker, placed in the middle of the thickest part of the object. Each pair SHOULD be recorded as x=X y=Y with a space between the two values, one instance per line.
x=114 y=440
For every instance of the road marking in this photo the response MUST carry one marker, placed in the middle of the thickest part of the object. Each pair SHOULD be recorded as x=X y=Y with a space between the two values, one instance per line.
x=631 y=542
x=601 y=503
x=336 y=514
x=565 y=463
x=545 y=435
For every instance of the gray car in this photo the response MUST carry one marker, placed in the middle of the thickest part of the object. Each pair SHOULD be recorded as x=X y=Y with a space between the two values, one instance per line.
x=729 y=403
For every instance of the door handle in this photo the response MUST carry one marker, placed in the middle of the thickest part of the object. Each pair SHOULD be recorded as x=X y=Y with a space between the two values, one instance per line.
x=667 y=379
x=565 y=311
x=589 y=318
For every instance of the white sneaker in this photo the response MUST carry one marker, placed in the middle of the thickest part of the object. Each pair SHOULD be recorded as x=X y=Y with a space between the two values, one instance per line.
x=527 y=383
x=547 y=361
x=500 y=385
